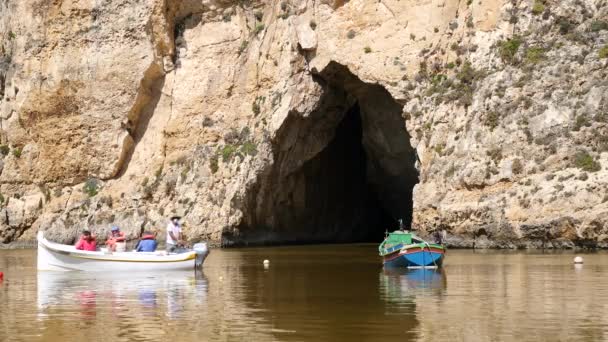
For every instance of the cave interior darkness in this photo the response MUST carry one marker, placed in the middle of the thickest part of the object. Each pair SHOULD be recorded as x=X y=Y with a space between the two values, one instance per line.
x=345 y=173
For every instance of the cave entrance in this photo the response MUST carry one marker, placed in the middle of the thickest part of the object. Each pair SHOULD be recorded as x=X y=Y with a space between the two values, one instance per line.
x=344 y=193
x=343 y=173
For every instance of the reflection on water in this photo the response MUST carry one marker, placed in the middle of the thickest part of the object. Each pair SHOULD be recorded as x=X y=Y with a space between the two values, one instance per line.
x=313 y=293
x=398 y=285
x=56 y=289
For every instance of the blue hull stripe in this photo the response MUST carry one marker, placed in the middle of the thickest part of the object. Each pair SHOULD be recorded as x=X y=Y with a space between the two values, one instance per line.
x=416 y=259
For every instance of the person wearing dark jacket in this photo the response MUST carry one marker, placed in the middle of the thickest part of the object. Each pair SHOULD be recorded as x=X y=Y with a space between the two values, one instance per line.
x=147 y=243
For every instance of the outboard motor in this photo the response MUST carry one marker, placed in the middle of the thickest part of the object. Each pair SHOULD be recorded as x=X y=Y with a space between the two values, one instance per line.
x=202 y=251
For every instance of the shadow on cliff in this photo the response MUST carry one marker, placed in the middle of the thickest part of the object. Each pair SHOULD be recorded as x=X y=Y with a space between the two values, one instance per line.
x=343 y=173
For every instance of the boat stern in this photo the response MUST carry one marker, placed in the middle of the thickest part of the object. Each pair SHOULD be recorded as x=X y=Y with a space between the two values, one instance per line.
x=202 y=250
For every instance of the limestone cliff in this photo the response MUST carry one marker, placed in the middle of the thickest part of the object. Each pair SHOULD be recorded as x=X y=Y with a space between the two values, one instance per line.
x=306 y=120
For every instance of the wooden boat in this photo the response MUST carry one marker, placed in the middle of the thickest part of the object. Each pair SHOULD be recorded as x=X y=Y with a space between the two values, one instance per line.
x=57 y=257
x=402 y=248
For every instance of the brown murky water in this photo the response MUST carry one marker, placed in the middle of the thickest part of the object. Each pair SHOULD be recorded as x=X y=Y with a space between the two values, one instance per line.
x=313 y=293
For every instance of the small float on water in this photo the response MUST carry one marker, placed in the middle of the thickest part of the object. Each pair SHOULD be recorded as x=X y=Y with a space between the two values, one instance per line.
x=403 y=248
x=57 y=257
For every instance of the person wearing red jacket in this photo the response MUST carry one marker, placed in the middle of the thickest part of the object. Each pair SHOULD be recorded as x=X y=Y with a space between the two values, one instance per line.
x=87 y=242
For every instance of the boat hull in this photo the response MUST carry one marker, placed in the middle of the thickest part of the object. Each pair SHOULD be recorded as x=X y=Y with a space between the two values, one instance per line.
x=57 y=257
x=427 y=257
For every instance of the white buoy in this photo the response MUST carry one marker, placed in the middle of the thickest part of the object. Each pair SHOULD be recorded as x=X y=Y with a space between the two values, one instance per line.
x=578 y=260
x=266 y=262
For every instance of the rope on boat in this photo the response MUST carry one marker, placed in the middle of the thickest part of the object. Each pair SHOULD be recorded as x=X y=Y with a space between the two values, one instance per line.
x=429 y=247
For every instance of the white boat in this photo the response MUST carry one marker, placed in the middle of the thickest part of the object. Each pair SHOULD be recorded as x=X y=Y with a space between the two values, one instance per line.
x=57 y=257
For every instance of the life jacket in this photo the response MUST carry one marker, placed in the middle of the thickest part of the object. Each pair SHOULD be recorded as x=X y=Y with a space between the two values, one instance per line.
x=146 y=245
x=148 y=237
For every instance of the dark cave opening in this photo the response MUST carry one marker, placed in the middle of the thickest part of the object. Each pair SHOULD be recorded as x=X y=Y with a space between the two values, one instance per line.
x=342 y=190
x=343 y=173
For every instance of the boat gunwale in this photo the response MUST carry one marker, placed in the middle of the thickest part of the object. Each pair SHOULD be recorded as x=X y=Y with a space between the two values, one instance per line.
x=70 y=251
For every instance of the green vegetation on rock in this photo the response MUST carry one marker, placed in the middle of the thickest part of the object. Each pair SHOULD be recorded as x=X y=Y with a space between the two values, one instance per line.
x=91 y=187
x=517 y=167
x=535 y=54
x=255 y=108
x=586 y=162
x=258 y=28
x=227 y=152
x=213 y=164
x=249 y=148
x=603 y=53
x=491 y=120
x=17 y=152
x=598 y=25
x=538 y=7
x=507 y=49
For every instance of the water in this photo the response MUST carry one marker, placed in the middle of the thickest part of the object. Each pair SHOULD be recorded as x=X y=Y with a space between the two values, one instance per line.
x=313 y=293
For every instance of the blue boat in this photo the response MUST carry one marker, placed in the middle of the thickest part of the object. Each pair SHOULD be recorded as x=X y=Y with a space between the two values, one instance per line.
x=402 y=248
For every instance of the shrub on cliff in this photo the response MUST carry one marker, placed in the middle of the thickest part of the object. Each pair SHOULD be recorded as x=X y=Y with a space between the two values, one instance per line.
x=491 y=120
x=517 y=167
x=535 y=54
x=585 y=162
x=17 y=152
x=603 y=53
x=91 y=187
x=598 y=25
x=258 y=28
x=213 y=164
x=538 y=7
x=249 y=149
x=4 y=150
x=227 y=152
x=507 y=49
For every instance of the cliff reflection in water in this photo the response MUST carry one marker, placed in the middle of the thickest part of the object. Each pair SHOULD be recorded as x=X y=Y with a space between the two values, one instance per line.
x=313 y=293
x=308 y=293
x=318 y=293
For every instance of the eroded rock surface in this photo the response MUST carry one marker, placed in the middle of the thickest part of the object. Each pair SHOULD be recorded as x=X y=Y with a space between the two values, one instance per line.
x=306 y=121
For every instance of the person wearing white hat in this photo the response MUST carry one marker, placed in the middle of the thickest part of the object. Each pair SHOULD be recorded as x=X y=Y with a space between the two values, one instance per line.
x=174 y=234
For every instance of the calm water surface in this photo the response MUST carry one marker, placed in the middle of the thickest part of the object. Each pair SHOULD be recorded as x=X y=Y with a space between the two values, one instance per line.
x=313 y=293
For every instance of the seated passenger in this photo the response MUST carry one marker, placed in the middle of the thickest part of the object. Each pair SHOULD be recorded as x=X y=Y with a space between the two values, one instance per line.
x=147 y=243
x=116 y=238
x=87 y=242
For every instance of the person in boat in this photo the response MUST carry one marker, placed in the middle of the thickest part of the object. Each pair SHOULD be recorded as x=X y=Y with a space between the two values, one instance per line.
x=116 y=240
x=87 y=242
x=438 y=237
x=147 y=243
x=174 y=234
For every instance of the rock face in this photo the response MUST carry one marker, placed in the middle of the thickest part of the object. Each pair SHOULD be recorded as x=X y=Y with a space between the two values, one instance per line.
x=306 y=121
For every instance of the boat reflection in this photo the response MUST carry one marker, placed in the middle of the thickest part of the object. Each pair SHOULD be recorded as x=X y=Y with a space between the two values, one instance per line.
x=399 y=284
x=90 y=294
